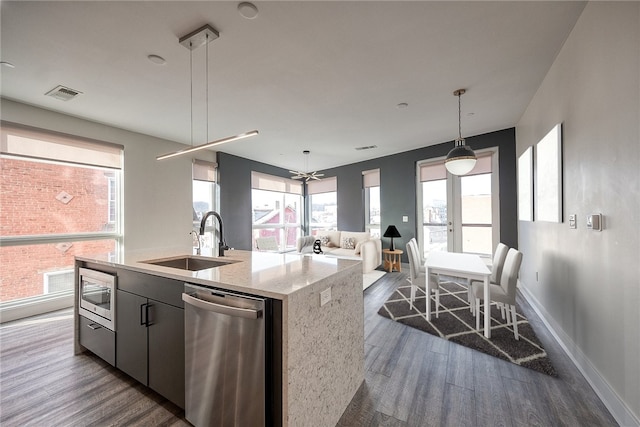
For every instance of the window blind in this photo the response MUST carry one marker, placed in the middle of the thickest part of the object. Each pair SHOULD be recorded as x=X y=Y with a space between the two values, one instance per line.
x=24 y=141
x=326 y=185
x=371 y=178
x=262 y=181
x=436 y=170
x=204 y=171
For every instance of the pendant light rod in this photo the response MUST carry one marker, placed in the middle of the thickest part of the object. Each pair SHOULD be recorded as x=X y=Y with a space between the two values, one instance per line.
x=459 y=93
x=203 y=35
x=208 y=145
x=461 y=159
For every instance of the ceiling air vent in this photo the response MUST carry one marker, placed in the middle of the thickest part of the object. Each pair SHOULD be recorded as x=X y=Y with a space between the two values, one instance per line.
x=366 y=147
x=63 y=93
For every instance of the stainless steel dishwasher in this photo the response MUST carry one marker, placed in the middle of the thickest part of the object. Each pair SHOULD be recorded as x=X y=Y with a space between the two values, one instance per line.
x=224 y=358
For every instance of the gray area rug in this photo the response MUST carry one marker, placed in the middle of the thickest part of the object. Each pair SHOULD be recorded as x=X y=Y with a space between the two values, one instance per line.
x=457 y=324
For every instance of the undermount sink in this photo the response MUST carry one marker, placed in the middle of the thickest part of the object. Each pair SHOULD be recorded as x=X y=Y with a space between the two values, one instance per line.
x=190 y=263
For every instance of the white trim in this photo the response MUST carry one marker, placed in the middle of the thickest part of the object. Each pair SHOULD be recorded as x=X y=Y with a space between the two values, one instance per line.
x=41 y=239
x=618 y=408
x=27 y=307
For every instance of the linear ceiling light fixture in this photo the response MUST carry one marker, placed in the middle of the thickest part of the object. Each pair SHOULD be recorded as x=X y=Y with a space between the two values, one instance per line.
x=461 y=159
x=202 y=36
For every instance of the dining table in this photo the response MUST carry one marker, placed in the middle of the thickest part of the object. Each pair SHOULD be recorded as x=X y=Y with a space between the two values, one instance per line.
x=468 y=266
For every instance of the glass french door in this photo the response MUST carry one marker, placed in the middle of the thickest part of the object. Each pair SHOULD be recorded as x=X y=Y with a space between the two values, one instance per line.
x=459 y=214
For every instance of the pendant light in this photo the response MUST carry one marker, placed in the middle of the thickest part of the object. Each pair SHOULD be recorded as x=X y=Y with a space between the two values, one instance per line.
x=461 y=159
x=202 y=36
x=306 y=175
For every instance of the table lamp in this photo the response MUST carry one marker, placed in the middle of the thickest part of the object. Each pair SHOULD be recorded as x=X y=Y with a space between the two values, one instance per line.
x=392 y=232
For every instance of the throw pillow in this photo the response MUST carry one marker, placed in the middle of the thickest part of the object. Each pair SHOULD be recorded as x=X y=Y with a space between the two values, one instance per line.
x=348 y=243
x=324 y=240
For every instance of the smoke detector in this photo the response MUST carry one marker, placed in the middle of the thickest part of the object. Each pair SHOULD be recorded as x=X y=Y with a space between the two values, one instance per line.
x=63 y=93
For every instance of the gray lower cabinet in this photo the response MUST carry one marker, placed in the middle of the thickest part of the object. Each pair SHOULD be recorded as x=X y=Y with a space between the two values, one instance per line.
x=150 y=343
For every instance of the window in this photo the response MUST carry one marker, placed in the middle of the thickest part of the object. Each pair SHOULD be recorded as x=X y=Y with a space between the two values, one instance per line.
x=371 y=184
x=323 y=202
x=276 y=210
x=204 y=188
x=60 y=197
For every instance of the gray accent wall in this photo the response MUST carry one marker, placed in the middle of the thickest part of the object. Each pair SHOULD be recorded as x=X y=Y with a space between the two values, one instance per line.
x=585 y=283
x=397 y=189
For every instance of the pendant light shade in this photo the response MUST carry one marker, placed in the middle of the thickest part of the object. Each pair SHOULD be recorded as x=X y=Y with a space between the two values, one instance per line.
x=461 y=159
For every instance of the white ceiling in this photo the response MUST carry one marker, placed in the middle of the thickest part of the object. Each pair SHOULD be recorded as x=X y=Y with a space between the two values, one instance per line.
x=324 y=76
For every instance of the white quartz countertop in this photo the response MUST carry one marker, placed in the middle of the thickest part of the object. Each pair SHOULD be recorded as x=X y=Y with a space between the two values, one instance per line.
x=267 y=274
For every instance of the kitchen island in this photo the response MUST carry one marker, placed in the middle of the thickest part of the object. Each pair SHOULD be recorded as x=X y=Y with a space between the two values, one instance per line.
x=320 y=362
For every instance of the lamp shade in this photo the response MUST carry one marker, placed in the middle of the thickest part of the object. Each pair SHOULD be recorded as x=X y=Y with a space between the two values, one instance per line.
x=460 y=160
x=392 y=231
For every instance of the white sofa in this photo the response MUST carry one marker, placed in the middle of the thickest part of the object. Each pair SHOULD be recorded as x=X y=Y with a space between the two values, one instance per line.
x=348 y=244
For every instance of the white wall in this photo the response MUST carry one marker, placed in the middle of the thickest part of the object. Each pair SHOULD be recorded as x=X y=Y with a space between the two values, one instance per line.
x=157 y=194
x=588 y=284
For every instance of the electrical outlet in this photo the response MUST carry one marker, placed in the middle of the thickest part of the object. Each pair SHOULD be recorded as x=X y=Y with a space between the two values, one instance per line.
x=325 y=296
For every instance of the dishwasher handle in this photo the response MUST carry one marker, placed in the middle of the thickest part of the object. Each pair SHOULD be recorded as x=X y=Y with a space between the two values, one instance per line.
x=247 y=313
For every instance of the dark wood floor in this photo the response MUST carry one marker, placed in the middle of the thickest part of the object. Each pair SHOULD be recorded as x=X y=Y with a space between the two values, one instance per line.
x=412 y=379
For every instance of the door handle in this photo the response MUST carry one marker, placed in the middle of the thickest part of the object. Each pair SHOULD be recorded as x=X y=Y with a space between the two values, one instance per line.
x=222 y=309
x=144 y=314
x=93 y=326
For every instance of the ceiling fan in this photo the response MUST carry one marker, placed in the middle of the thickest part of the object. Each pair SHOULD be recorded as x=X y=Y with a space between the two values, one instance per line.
x=307 y=176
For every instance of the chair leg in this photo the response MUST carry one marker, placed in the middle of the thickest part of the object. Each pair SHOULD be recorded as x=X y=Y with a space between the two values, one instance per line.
x=478 y=314
x=515 y=322
x=437 y=302
x=508 y=318
x=413 y=296
x=502 y=311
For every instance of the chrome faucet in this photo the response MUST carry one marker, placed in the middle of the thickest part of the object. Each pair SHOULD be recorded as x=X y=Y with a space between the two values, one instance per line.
x=222 y=245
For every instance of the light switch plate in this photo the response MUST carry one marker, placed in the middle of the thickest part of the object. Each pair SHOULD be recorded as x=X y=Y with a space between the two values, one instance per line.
x=405 y=218
x=594 y=222
x=325 y=296
x=572 y=221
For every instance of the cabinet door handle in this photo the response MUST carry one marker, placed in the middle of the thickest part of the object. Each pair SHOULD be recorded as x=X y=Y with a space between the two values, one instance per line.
x=144 y=313
x=147 y=313
x=93 y=326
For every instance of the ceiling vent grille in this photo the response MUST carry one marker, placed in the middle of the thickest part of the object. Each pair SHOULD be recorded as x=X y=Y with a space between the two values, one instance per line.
x=63 y=93
x=366 y=147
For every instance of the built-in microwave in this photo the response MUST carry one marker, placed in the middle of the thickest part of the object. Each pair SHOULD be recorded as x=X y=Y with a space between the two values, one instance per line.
x=97 y=297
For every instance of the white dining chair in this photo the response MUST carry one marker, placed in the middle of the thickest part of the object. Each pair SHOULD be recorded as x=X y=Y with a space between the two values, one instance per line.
x=503 y=292
x=496 y=271
x=421 y=259
x=416 y=278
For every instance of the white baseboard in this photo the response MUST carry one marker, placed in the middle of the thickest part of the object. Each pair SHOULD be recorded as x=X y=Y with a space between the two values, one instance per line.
x=27 y=308
x=609 y=397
